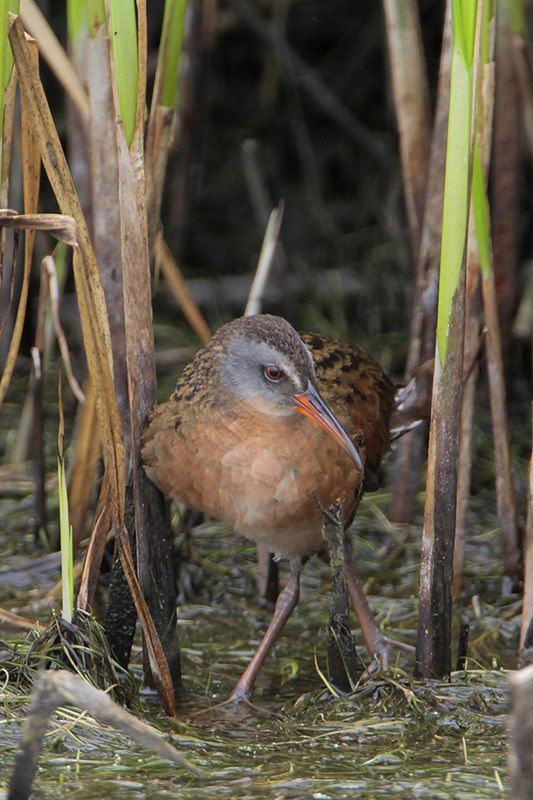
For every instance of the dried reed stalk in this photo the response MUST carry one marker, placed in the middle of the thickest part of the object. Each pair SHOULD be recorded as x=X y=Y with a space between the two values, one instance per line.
x=408 y=73
x=526 y=628
x=411 y=449
x=178 y=286
x=95 y=330
x=505 y=174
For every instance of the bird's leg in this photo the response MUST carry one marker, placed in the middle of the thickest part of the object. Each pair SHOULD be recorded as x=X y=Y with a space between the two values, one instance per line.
x=285 y=605
x=376 y=642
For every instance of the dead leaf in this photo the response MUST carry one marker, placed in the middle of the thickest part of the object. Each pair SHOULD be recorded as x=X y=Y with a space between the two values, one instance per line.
x=59 y=225
x=58 y=688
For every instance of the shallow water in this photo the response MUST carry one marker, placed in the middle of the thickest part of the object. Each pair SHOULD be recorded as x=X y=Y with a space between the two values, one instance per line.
x=392 y=738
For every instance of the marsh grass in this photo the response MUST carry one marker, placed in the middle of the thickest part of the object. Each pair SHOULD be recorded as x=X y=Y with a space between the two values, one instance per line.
x=78 y=645
x=393 y=733
x=432 y=739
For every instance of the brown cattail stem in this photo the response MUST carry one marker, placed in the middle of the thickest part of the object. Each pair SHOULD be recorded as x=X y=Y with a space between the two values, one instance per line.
x=412 y=448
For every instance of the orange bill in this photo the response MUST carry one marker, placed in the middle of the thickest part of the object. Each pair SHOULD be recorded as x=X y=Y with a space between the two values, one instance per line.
x=311 y=405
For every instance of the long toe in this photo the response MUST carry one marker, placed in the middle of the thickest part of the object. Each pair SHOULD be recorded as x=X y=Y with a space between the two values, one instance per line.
x=237 y=706
x=386 y=646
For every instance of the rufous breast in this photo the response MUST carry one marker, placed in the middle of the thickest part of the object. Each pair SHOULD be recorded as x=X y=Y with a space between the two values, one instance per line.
x=266 y=476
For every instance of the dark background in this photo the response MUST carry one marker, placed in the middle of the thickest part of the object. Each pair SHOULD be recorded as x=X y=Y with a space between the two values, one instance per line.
x=345 y=268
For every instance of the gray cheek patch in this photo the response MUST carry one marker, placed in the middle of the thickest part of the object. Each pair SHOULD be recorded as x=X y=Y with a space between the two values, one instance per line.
x=241 y=367
x=241 y=371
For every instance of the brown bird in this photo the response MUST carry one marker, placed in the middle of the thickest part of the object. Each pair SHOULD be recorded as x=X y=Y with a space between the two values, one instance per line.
x=266 y=428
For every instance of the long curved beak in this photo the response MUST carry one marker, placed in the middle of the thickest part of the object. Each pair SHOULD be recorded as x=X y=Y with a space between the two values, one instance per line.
x=311 y=405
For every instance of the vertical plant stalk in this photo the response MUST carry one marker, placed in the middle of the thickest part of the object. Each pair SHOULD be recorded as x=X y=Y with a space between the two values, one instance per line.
x=7 y=118
x=31 y=175
x=477 y=260
x=470 y=376
x=85 y=460
x=526 y=627
x=522 y=63
x=134 y=256
x=163 y=109
x=87 y=444
x=342 y=654
x=505 y=491
x=65 y=528
x=36 y=24
x=77 y=113
x=40 y=534
x=36 y=407
x=8 y=81
x=95 y=330
x=24 y=438
x=266 y=260
x=152 y=528
x=505 y=173
x=6 y=69
x=408 y=73
x=411 y=449
x=105 y=203
x=434 y=624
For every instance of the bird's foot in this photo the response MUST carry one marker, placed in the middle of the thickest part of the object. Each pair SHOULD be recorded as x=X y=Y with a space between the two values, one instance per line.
x=238 y=704
x=382 y=651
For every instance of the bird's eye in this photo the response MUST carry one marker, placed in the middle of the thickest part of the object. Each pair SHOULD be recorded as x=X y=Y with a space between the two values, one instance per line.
x=272 y=373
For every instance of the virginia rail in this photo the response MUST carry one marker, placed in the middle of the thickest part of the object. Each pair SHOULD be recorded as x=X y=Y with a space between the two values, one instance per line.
x=266 y=428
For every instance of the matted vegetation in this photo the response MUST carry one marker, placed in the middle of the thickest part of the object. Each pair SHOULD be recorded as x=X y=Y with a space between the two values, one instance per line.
x=440 y=739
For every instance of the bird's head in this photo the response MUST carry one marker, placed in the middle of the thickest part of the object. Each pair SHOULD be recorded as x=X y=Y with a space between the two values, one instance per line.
x=263 y=361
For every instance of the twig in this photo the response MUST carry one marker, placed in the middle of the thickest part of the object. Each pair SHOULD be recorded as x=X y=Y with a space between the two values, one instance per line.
x=55 y=56
x=57 y=688
x=38 y=459
x=180 y=290
x=9 y=618
x=50 y=270
x=264 y=265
